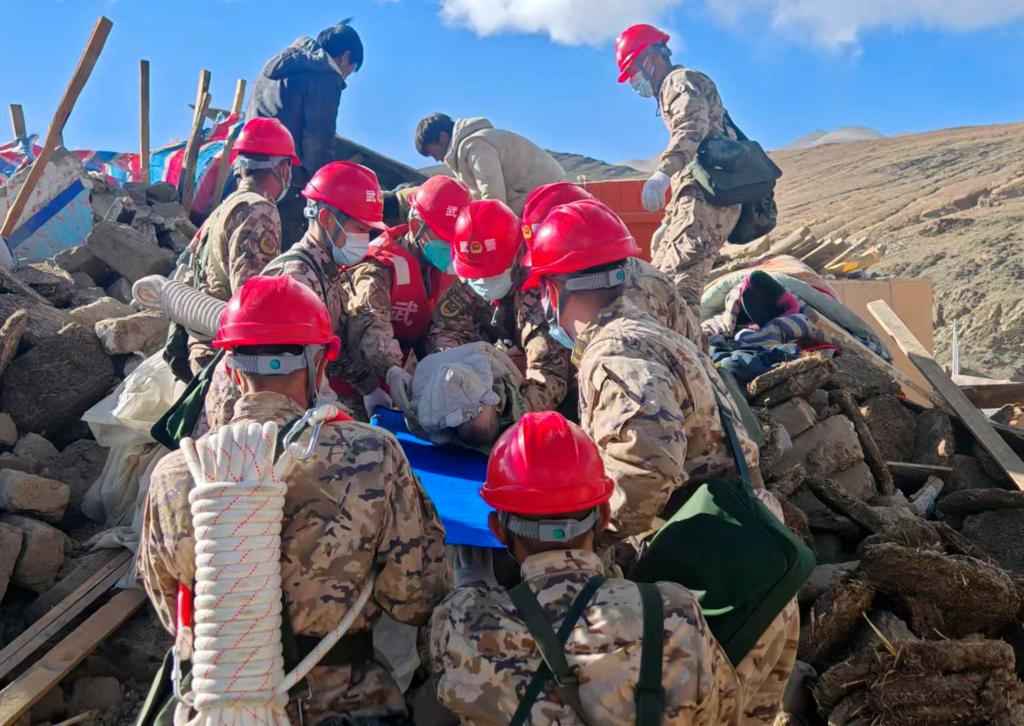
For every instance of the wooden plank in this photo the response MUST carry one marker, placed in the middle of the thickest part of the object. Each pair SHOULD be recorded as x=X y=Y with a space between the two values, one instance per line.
x=18 y=121
x=22 y=647
x=28 y=688
x=994 y=395
x=144 y=121
x=229 y=144
x=187 y=181
x=848 y=251
x=60 y=117
x=918 y=472
x=972 y=418
x=793 y=240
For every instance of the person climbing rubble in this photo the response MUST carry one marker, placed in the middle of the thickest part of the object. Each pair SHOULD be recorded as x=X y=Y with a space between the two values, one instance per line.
x=394 y=290
x=487 y=304
x=243 y=233
x=352 y=510
x=493 y=163
x=648 y=397
x=343 y=204
x=632 y=653
x=687 y=243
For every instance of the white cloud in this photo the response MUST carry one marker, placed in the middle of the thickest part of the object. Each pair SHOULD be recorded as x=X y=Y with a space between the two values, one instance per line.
x=573 y=22
x=838 y=24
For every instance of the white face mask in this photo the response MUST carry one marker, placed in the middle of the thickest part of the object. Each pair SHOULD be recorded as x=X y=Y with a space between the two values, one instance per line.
x=357 y=244
x=285 y=186
x=492 y=288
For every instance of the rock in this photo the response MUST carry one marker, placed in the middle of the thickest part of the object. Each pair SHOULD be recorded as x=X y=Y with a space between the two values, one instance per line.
x=161 y=192
x=791 y=379
x=49 y=280
x=10 y=337
x=15 y=463
x=819 y=401
x=797 y=698
x=120 y=289
x=1012 y=414
x=97 y=694
x=967 y=474
x=824 y=449
x=87 y=296
x=8 y=431
x=138 y=192
x=36 y=449
x=51 y=707
x=857 y=481
x=144 y=332
x=829 y=547
x=32 y=495
x=53 y=384
x=128 y=252
x=82 y=280
x=971 y=501
x=795 y=415
x=823 y=578
x=103 y=309
x=44 y=321
x=174 y=240
x=78 y=466
x=10 y=550
x=81 y=259
x=894 y=629
x=111 y=205
x=861 y=379
x=43 y=550
x=934 y=442
x=892 y=427
x=998 y=533
x=170 y=211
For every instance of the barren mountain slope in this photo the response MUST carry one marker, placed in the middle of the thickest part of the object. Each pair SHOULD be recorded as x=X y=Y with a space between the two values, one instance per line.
x=947 y=205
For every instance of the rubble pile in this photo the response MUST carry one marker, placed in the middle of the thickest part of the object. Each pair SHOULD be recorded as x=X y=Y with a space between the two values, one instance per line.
x=913 y=614
x=69 y=334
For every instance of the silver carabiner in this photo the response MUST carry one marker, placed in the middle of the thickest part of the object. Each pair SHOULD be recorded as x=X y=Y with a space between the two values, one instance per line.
x=297 y=430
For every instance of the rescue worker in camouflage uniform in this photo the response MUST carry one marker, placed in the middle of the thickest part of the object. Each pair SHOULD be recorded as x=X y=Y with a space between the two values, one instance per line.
x=343 y=204
x=647 y=397
x=693 y=231
x=243 y=233
x=352 y=507
x=487 y=304
x=546 y=480
x=394 y=290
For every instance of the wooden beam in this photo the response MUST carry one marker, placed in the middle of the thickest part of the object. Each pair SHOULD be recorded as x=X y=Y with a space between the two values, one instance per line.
x=918 y=472
x=994 y=395
x=41 y=631
x=847 y=252
x=60 y=117
x=144 y=121
x=27 y=689
x=186 y=182
x=18 y=121
x=229 y=144
x=972 y=418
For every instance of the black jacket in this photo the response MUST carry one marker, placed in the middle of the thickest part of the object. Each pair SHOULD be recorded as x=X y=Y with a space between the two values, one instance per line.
x=301 y=88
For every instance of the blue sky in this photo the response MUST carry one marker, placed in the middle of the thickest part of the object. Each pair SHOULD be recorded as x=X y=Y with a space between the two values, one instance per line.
x=780 y=72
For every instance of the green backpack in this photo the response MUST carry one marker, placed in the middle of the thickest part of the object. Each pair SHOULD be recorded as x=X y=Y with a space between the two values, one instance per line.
x=725 y=546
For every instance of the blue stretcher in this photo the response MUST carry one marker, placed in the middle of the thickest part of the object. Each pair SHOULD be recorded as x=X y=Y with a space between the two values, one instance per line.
x=452 y=477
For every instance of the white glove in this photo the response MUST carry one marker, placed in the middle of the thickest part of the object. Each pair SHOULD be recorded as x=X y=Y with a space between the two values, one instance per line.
x=656 y=238
x=473 y=565
x=653 y=196
x=375 y=400
x=399 y=381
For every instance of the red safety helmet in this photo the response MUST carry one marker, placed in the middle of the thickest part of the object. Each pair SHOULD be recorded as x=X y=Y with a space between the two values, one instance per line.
x=350 y=188
x=632 y=43
x=578 y=236
x=545 y=198
x=545 y=464
x=486 y=239
x=276 y=311
x=265 y=136
x=438 y=202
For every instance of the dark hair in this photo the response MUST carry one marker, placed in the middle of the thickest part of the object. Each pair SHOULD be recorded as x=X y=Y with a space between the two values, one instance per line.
x=339 y=38
x=429 y=130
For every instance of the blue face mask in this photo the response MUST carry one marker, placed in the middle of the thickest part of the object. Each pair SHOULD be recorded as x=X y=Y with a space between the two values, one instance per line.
x=492 y=288
x=641 y=85
x=555 y=329
x=439 y=254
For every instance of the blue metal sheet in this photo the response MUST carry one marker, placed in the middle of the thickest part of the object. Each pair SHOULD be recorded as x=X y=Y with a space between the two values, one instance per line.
x=65 y=221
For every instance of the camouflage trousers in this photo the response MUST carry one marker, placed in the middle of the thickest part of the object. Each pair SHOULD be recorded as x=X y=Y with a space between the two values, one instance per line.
x=765 y=671
x=694 y=233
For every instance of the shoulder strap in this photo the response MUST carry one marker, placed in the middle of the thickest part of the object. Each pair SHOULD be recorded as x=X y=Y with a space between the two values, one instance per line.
x=301 y=256
x=650 y=695
x=732 y=439
x=551 y=648
x=727 y=120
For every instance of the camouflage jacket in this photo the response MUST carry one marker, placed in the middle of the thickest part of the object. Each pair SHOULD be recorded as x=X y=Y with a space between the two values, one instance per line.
x=370 y=335
x=651 y=290
x=692 y=110
x=462 y=316
x=352 y=507
x=484 y=655
x=647 y=397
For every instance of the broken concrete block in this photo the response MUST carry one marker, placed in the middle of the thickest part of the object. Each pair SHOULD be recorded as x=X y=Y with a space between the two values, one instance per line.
x=819 y=401
x=81 y=259
x=32 y=495
x=144 y=332
x=795 y=415
x=824 y=449
x=857 y=481
x=10 y=550
x=791 y=379
x=10 y=337
x=37 y=449
x=49 y=280
x=44 y=321
x=9 y=461
x=8 y=431
x=82 y=280
x=103 y=309
x=892 y=427
x=53 y=384
x=161 y=192
x=174 y=240
x=96 y=694
x=129 y=252
x=78 y=466
x=43 y=550
x=120 y=289
x=934 y=441
x=998 y=533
